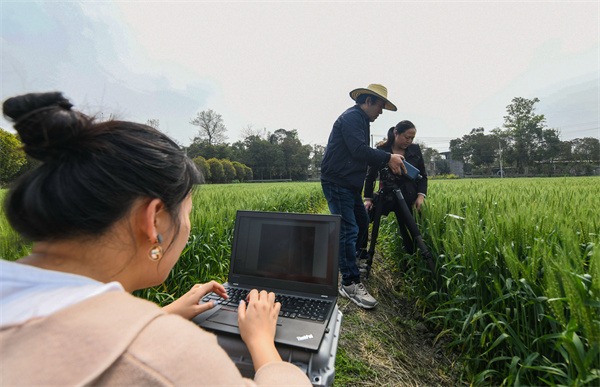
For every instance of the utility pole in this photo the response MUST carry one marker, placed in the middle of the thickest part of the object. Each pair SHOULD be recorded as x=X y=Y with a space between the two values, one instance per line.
x=500 y=157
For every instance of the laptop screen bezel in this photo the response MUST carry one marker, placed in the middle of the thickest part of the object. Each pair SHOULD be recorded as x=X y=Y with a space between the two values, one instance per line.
x=329 y=289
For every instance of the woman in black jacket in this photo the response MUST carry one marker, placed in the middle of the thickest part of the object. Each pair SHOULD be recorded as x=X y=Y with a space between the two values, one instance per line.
x=400 y=141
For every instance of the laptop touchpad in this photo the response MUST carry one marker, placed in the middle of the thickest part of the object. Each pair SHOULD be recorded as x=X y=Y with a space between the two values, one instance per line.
x=224 y=316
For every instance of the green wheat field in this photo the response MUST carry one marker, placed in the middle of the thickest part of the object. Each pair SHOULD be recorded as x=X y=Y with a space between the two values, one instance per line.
x=516 y=293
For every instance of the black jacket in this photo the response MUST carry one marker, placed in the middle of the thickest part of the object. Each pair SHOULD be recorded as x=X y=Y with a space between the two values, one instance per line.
x=347 y=153
x=409 y=188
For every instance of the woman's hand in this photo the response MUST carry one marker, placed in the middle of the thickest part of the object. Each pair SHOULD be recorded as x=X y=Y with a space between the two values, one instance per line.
x=419 y=202
x=188 y=305
x=368 y=203
x=257 y=320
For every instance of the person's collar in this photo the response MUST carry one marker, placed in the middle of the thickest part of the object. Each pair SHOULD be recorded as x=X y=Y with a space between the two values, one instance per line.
x=365 y=116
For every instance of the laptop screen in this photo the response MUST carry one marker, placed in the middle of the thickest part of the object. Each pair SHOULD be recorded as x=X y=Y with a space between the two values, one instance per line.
x=286 y=246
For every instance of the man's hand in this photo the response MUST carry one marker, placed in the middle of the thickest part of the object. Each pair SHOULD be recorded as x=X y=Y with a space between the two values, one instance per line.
x=396 y=164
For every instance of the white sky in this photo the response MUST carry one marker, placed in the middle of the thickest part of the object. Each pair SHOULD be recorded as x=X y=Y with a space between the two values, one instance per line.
x=449 y=66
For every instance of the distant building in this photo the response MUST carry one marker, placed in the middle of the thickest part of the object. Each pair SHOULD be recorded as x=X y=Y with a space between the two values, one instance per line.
x=456 y=167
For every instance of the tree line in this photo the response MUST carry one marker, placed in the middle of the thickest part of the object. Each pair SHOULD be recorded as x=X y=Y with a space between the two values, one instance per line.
x=268 y=156
x=278 y=155
x=523 y=146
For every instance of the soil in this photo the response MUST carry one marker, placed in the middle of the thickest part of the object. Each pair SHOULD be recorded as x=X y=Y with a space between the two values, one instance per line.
x=390 y=345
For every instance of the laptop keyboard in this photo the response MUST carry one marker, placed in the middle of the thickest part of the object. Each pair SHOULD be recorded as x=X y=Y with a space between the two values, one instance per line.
x=291 y=306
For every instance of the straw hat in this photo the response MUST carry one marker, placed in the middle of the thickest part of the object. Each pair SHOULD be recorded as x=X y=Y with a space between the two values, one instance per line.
x=376 y=90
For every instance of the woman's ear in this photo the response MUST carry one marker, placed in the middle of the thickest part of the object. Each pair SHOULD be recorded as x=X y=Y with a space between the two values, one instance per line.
x=153 y=218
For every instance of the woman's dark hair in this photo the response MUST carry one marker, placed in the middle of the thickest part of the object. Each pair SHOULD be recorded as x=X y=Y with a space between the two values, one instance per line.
x=400 y=127
x=91 y=172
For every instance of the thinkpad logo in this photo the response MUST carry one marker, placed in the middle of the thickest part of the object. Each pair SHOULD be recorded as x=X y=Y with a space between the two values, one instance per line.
x=305 y=337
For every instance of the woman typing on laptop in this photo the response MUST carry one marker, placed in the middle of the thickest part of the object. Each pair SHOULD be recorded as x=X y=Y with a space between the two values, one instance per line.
x=108 y=212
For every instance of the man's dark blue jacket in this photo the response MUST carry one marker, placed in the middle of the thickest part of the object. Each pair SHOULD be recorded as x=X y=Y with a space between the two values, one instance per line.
x=347 y=153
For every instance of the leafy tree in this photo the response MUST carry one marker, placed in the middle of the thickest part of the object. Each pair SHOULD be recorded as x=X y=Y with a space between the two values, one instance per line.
x=586 y=149
x=12 y=157
x=202 y=166
x=458 y=149
x=248 y=175
x=483 y=149
x=296 y=157
x=209 y=151
x=525 y=132
x=430 y=157
x=586 y=155
x=566 y=151
x=211 y=127
x=316 y=156
x=476 y=149
x=240 y=173
x=279 y=136
x=265 y=158
x=237 y=151
x=551 y=144
x=442 y=167
x=549 y=151
x=217 y=174
x=285 y=141
x=268 y=155
x=228 y=170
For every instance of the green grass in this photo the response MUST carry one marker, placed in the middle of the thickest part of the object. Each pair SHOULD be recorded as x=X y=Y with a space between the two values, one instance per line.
x=518 y=290
x=12 y=246
x=352 y=370
x=206 y=256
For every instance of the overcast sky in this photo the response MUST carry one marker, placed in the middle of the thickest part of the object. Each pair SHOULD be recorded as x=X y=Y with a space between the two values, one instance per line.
x=449 y=66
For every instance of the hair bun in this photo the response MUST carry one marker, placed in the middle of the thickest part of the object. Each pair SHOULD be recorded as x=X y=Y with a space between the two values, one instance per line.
x=17 y=108
x=46 y=124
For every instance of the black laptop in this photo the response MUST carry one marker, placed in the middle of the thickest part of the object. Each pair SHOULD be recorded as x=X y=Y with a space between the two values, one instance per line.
x=293 y=255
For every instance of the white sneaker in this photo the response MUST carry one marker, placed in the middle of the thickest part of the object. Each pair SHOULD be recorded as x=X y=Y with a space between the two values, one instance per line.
x=358 y=294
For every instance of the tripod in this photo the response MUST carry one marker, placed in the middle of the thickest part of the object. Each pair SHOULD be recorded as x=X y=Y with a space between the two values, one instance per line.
x=403 y=215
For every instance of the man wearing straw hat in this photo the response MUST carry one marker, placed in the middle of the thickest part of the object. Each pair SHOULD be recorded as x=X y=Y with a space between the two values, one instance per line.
x=343 y=171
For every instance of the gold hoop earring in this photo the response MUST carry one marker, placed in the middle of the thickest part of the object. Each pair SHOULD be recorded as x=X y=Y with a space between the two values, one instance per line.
x=156 y=251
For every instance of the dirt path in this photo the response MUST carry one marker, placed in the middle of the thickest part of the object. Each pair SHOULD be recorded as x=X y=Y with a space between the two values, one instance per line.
x=390 y=345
